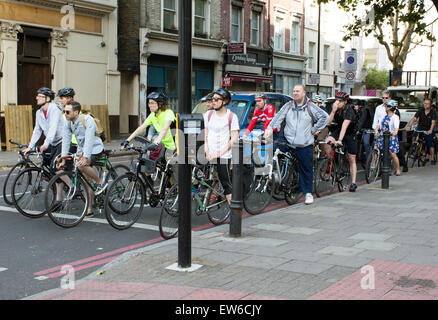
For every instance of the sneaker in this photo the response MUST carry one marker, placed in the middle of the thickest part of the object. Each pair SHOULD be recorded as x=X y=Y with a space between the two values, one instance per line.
x=309 y=198
x=100 y=188
x=353 y=187
x=90 y=214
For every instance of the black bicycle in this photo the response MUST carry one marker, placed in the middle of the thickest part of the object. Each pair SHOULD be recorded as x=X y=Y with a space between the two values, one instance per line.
x=127 y=195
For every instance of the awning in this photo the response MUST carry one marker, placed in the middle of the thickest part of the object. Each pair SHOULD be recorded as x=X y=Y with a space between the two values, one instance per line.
x=245 y=77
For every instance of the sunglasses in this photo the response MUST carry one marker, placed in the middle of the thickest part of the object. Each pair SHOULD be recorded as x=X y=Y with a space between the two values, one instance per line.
x=67 y=111
x=385 y=97
x=216 y=99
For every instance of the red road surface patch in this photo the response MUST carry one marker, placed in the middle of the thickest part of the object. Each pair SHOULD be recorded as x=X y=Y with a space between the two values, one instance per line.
x=392 y=281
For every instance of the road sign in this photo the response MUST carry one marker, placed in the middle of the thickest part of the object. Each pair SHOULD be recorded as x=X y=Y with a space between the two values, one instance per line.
x=350 y=76
x=313 y=78
x=227 y=82
x=350 y=63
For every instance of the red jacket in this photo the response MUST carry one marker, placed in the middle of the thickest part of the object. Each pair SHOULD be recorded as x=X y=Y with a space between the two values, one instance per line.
x=265 y=115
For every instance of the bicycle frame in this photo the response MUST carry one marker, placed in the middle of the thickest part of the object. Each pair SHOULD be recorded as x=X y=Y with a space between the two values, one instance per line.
x=201 y=179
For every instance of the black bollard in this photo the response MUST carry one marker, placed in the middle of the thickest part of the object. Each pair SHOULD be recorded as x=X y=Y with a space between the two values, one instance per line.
x=386 y=162
x=236 y=205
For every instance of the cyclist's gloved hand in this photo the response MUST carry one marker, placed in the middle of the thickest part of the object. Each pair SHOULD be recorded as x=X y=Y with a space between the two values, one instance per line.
x=152 y=147
x=125 y=143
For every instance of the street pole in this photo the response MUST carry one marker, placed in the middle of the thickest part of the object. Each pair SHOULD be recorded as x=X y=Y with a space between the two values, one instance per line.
x=236 y=205
x=319 y=47
x=386 y=164
x=184 y=107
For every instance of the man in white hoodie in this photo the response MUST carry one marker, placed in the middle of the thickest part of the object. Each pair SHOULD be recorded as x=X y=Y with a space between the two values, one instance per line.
x=49 y=121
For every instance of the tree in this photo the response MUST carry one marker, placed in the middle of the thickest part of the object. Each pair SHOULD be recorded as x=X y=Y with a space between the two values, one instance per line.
x=376 y=79
x=398 y=25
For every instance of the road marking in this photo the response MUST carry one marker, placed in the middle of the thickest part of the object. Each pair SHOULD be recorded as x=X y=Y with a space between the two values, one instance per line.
x=3 y=269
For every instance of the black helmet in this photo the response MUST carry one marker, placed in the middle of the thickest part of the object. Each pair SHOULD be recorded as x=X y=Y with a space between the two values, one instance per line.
x=357 y=102
x=158 y=97
x=208 y=97
x=66 y=92
x=47 y=92
x=224 y=93
x=342 y=95
x=392 y=104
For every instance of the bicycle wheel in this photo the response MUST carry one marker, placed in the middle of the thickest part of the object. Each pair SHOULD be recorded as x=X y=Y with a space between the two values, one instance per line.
x=124 y=201
x=372 y=170
x=8 y=184
x=412 y=155
x=344 y=176
x=219 y=211
x=71 y=210
x=278 y=193
x=325 y=178
x=422 y=157
x=291 y=191
x=169 y=216
x=28 y=192
x=260 y=194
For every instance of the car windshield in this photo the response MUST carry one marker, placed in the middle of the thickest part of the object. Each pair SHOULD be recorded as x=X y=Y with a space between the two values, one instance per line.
x=239 y=107
x=409 y=99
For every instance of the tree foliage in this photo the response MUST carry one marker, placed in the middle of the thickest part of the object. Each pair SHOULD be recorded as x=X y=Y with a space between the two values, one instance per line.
x=376 y=79
x=398 y=25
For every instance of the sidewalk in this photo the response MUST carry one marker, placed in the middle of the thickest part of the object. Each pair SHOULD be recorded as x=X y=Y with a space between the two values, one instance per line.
x=297 y=252
x=10 y=158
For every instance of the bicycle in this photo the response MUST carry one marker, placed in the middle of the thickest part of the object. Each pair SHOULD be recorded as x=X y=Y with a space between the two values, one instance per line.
x=417 y=151
x=126 y=195
x=24 y=162
x=332 y=171
x=361 y=155
x=74 y=191
x=209 y=199
x=29 y=186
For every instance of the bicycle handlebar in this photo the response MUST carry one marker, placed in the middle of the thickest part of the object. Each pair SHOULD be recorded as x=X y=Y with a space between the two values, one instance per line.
x=20 y=146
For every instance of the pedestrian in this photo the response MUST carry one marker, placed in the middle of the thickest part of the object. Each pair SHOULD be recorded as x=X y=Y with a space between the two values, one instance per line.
x=365 y=124
x=303 y=121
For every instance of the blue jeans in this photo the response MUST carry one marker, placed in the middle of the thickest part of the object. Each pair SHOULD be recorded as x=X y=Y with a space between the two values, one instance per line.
x=366 y=143
x=305 y=166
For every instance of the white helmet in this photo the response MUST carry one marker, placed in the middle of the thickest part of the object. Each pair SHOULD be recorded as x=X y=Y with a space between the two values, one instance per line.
x=318 y=99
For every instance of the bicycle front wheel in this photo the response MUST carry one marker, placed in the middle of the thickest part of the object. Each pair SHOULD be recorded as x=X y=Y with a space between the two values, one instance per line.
x=124 y=201
x=9 y=181
x=325 y=178
x=28 y=192
x=218 y=211
x=169 y=216
x=344 y=176
x=68 y=203
x=372 y=170
x=260 y=194
x=291 y=192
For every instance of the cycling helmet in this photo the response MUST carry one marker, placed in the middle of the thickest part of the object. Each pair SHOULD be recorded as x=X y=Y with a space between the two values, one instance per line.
x=158 y=97
x=392 y=104
x=343 y=96
x=318 y=99
x=224 y=93
x=47 y=92
x=209 y=96
x=66 y=92
x=260 y=96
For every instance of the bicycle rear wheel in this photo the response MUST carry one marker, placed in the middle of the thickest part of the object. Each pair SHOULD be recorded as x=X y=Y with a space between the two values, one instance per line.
x=219 y=211
x=28 y=192
x=71 y=210
x=412 y=155
x=325 y=178
x=344 y=176
x=372 y=170
x=124 y=201
x=260 y=194
x=9 y=181
x=169 y=216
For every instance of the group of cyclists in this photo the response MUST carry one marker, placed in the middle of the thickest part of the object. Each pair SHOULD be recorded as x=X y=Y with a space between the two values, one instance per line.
x=69 y=130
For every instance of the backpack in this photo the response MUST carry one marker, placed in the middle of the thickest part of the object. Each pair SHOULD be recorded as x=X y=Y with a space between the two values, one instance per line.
x=100 y=132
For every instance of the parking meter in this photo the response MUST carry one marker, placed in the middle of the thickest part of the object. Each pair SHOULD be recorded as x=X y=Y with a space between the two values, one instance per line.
x=192 y=125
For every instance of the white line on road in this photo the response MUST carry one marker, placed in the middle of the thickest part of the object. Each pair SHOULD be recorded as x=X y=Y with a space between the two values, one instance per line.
x=3 y=269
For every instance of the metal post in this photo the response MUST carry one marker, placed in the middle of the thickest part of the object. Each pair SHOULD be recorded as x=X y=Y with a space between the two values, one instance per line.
x=318 y=57
x=385 y=165
x=236 y=205
x=184 y=107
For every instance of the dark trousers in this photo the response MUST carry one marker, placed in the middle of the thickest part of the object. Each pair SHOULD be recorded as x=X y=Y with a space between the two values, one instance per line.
x=305 y=165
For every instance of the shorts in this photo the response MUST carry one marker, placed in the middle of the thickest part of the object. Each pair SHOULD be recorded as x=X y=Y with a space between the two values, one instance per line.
x=428 y=138
x=49 y=156
x=350 y=142
x=95 y=157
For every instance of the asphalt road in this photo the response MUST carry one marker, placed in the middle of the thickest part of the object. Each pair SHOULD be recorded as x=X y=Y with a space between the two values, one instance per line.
x=33 y=252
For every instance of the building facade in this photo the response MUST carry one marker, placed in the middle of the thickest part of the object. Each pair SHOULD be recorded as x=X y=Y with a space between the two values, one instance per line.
x=49 y=44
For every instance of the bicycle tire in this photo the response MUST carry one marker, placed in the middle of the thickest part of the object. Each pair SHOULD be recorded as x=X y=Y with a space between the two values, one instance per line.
x=74 y=197
x=10 y=178
x=278 y=193
x=292 y=193
x=260 y=194
x=28 y=192
x=412 y=155
x=325 y=177
x=169 y=216
x=344 y=177
x=127 y=189
x=372 y=170
x=220 y=212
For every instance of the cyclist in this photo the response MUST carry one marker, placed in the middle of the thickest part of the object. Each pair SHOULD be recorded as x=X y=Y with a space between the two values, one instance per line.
x=66 y=95
x=221 y=130
x=344 y=132
x=90 y=146
x=50 y=122
x=391 y=123
x=365 y=123
x=426 y=118
x=161 y=117
x=263 y=113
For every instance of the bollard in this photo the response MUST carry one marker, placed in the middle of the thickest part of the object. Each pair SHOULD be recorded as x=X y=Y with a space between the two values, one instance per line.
x=236 y=205
x=386 y=162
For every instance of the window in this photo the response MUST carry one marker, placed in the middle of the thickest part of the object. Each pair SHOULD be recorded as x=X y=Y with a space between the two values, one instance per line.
x=236 y=16
x=255 y=28
x=311 y=54
x=325 y=62
x=295 y=37
x=289 y=83
x=200 y=18
x=279 y=34
x=278 y=83
x=169 y=15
